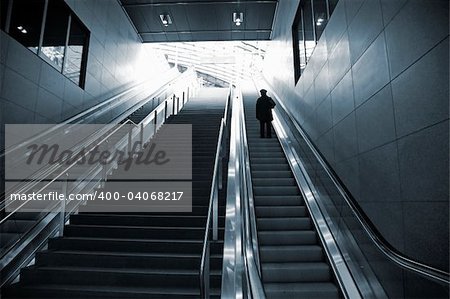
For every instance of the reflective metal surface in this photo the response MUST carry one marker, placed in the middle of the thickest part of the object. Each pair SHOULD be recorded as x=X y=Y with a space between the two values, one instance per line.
x=241 y=276
x=232 y=262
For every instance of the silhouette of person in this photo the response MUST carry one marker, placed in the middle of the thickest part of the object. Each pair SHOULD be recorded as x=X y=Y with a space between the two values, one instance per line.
x=264 y=106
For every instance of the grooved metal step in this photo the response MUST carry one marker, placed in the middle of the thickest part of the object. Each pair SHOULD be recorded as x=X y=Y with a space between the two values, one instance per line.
x=292 y=260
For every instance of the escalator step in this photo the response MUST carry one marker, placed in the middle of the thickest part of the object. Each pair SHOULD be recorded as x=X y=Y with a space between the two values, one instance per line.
x=280 y=211
x=306 y=237
x=284 y=223
x=296 y=272
x=316 y=290
x=291 y=253
x=277 y=200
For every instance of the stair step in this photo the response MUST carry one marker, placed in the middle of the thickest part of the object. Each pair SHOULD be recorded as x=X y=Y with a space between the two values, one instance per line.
x=88 y=291
x=141 y=220
x=131 y=245
x=135 y=232
x=125 y=277
x=123 y=259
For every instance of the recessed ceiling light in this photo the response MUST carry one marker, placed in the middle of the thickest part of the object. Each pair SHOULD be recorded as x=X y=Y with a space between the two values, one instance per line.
x=166 y=20
x=238 y=18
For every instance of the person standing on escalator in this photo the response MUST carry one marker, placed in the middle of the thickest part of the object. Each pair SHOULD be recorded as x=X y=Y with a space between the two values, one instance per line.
x=264 y=106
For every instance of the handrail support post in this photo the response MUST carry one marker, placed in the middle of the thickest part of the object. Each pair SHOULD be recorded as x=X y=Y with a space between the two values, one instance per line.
x=216 y=214
x=155 y=122
x=141 y=136
x=207 y=274
x=130 y=131
x=62 y=220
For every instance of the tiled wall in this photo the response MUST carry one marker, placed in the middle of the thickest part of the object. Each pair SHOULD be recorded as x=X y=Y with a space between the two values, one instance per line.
x=374 y=98
x=32 y=91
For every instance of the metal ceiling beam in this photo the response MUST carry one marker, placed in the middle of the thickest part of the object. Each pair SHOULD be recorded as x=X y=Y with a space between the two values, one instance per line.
x=208 y=31
x=198 y=3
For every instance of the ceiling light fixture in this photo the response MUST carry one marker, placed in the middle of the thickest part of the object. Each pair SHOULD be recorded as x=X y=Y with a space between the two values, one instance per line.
x=166 y=20
x=21 y=29
x=320 y=21
x=238 y=18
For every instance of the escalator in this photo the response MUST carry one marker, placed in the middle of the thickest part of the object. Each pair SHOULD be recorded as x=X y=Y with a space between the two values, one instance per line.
x=138 y=255
x=293 y=262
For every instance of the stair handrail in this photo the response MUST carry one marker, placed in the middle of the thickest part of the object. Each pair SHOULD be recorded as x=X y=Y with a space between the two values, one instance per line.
x=382 y=244
x=123 y=142
x=213 y=207
x=212 y=219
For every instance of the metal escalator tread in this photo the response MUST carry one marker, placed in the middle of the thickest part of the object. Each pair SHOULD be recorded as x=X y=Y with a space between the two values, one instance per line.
x=292 y=260
x=316 y=290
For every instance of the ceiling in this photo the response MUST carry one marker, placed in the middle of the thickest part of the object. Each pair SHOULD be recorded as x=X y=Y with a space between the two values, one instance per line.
x=227 y=61
x=201 y=20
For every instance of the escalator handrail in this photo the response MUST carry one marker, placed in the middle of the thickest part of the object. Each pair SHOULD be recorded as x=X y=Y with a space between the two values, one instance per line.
x=387 y=249
x=104 y=138
x=88 y=141
x=97 y=142
x=58 y=176
x=171 y=74
x=241 y=276
x=252 y=266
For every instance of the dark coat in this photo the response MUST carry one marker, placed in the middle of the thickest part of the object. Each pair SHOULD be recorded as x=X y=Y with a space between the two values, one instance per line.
x=264 y=106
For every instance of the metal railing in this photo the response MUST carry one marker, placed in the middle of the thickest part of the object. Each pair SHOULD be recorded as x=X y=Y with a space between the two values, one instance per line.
x=241 y=273
x=92 y=139
x=152 y=86
x=212 y=222
x=114 y=139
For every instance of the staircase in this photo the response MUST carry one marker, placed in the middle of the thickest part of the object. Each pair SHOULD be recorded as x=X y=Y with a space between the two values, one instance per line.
x=293 y=262
x=138 y=255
